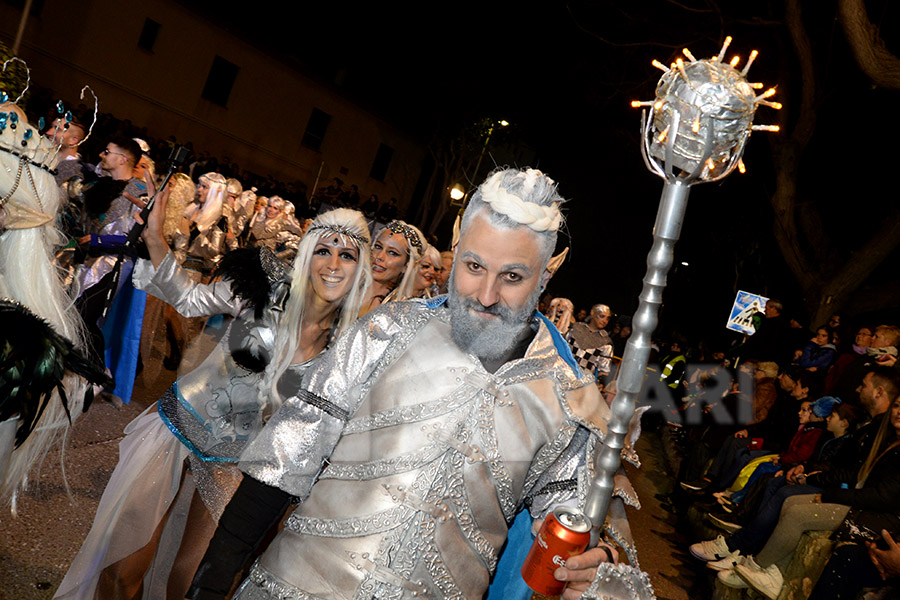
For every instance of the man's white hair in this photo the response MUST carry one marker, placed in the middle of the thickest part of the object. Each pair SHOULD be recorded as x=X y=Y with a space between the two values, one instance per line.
x=512 y=198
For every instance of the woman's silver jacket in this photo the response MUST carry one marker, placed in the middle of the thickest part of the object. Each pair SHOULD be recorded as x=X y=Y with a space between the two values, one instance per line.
x=432 y=458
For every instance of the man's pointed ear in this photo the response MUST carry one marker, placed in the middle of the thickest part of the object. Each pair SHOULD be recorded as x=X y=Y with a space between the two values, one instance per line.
x=455 y=240
x=556 y=262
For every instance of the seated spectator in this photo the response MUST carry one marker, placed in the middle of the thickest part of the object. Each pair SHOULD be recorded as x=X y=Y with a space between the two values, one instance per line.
x=370 y=207
x=862 y=341
x=819 y=353
x=870 y=481
x=766 y=437
x=883 y=346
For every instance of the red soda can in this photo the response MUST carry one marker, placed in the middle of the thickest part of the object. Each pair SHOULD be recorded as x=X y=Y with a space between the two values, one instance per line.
x=565 y=532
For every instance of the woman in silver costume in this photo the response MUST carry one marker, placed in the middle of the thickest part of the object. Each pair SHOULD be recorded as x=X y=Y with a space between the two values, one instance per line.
x=561 y=314
x=176 y=470
x=200 y=244
x=267 y=225
x=395 y=253
x=290 y=234
x=157 y=314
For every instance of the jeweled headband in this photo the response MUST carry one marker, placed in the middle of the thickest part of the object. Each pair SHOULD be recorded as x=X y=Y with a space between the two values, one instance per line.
x=412 y=238
x=342 y=230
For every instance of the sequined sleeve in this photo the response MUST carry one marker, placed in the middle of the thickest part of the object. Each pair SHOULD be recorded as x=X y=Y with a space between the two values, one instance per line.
x=292 y=448
x=171 y=284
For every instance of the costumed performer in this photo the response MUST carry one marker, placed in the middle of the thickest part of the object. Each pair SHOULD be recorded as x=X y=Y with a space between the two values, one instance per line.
x=427 y=269
x=395 y=253
x=439 y=420
x=41 y=333
x=179 y=455
x=200 y=244
x=562 y=314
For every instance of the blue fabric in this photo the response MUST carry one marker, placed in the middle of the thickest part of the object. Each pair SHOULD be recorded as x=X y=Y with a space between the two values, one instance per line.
x=122 y=334
x=508 y=583
x=758 y=472
x=562 y=346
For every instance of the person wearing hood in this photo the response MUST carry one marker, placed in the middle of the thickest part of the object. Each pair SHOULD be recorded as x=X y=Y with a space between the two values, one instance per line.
x=820 y=352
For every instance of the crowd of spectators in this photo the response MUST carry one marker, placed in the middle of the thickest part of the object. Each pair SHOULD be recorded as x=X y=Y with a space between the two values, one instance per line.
x=805 y=438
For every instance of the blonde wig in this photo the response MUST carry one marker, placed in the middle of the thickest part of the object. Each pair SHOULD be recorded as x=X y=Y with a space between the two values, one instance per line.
x=207 y=214
x=351 y=226
x=181 y=193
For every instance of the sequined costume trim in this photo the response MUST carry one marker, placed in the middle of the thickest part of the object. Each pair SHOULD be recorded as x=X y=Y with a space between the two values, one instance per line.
x=455 y=496
x=324 y=405
x=619 y=581
x=382 y=468
x=262 y=585
x=410 y=414
x=490 y=448
x=172 y=408
x=352 y=527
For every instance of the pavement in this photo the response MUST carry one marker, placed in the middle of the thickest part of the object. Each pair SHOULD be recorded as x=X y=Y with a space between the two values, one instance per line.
x=37 y=545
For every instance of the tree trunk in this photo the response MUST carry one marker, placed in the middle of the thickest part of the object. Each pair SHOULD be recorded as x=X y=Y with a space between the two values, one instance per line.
x=872 y=56
x=827 y=286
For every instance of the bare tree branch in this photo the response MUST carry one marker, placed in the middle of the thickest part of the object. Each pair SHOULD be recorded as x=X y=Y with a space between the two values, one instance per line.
x=872 y=56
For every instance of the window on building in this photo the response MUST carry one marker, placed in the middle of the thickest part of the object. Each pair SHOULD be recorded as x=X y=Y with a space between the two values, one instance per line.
x=221 y=79
x=315 y=129
x=148 y=35
x=381 y=163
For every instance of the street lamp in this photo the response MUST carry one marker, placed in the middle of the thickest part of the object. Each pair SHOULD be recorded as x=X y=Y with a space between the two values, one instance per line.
x=457 y=193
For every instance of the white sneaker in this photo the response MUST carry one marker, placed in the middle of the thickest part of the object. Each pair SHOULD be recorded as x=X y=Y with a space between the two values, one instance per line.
x=767 y=582
x=727 y=563
x=709 y=550
x=729 y=578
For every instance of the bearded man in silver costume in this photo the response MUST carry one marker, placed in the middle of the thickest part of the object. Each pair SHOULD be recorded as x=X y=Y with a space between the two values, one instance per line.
x=439 y=420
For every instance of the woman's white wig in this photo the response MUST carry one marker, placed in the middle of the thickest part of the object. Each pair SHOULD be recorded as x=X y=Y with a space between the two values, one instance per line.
x=353 y=230
x=29 y=276
x=210 y=211
x=414 y=252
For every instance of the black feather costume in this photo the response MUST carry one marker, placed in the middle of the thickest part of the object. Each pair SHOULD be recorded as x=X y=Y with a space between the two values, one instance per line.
x=33 y=361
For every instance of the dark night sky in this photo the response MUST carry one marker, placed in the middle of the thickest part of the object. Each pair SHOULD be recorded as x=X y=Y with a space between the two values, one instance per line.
x=564 y=75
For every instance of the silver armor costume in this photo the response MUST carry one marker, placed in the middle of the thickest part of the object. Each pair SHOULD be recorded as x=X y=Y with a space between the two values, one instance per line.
x=433 y=458
x=206 y=418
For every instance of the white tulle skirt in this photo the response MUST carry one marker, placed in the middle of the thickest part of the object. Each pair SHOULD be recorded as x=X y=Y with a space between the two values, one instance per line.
x=141 y=490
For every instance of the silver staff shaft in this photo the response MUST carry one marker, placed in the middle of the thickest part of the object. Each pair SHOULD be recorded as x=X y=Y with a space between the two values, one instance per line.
x=666 y=231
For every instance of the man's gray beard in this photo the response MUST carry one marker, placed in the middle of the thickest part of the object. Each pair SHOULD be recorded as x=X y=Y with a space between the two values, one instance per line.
x=488 y=339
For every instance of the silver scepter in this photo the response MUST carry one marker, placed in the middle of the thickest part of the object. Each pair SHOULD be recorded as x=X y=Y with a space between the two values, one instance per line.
x=695 y=131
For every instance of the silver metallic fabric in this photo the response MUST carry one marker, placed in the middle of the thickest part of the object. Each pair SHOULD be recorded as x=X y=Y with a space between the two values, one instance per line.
x=435 y=459
x=118 y=220
x=204 y=252
x=216 y=409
